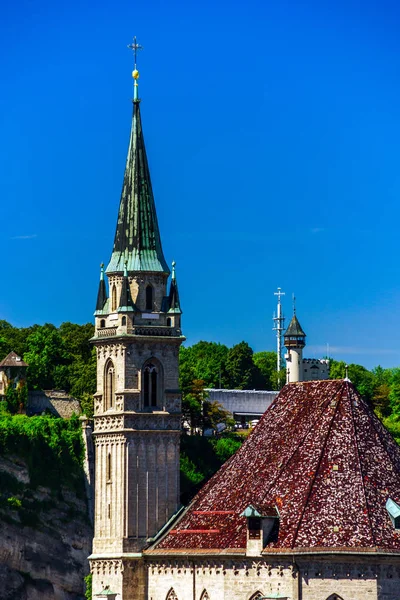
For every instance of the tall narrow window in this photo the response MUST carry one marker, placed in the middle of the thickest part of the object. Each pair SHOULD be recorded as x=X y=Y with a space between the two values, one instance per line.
x=109 y=466
x=172 y=595
x=150 y=385
x=123 y=322
x=114 y=298
x=109 y=385
x=149 y=297
x=102 y=323
x=168 y=322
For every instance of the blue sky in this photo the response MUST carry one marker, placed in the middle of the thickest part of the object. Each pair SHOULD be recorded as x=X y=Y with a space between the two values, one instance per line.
x=272 y=130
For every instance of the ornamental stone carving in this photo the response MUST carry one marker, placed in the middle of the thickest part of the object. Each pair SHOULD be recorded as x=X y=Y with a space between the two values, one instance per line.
x=108 y=423
x=106 y=567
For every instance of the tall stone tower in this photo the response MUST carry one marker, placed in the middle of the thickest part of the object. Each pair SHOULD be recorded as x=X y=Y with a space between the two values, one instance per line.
x=137 y=404
x=294 y=340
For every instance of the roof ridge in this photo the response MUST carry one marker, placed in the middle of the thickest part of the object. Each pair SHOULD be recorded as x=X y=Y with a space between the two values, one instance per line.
x=323 y=406
x=318 y=463
x=360 y=463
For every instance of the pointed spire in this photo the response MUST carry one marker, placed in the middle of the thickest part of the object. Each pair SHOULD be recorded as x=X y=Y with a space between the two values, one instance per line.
x=137 y=237
x=102 y=293
x=294 y=328
x=173 y=299
x=125 y=302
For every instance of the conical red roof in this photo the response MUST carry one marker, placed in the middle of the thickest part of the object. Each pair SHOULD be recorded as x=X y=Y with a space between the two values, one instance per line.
x=321 y=456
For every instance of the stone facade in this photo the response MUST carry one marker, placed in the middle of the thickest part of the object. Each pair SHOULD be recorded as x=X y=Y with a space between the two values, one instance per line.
x=137 y=404
x=295 y=577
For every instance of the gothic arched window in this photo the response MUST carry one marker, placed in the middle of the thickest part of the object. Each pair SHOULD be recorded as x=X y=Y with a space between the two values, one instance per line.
x=102 y=323
x=123 y=322
x=151 y=383
x=204 y=595
x=109 y=385
x=149 y=297
x=171 y=595
x=113 y=298
x=256 y=596
x=334 y=597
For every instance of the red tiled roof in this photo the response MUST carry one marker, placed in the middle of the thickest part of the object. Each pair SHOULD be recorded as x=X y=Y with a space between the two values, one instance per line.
x=323 y=458
x=12 y=360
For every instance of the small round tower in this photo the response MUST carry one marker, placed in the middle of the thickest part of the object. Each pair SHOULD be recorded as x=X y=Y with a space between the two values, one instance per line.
x=295 y=340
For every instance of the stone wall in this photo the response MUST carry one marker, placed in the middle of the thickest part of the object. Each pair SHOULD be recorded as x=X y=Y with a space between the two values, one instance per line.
x=243 y=402
x=349 y=577
x=56 y=401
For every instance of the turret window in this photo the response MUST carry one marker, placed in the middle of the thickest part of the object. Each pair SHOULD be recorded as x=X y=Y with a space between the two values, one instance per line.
x=151 y=384
x=149 y=297
x=109 y=385
x=168 y=322
x=123 y=322
x=102 y=323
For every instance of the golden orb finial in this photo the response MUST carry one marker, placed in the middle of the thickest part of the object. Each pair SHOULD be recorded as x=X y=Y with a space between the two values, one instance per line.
x=135 y=74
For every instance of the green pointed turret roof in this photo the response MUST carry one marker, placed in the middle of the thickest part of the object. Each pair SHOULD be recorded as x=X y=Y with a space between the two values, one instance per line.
x=102 y=292
x=174 y=305
x=137 y=237
x=294 y=328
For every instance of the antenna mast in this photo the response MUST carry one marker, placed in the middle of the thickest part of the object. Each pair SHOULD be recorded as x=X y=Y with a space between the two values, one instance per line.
x=279 y=326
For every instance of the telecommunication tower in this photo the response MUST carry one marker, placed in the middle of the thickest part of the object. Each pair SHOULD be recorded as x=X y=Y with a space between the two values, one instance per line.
x=279 y=326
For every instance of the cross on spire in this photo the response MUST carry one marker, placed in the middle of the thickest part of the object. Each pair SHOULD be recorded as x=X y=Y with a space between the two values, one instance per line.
x=135 y=47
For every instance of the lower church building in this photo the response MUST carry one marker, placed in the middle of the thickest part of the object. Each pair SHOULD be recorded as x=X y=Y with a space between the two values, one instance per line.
x=307 y=509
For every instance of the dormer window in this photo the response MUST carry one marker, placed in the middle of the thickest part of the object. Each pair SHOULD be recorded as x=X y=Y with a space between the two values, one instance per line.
x=254 y=525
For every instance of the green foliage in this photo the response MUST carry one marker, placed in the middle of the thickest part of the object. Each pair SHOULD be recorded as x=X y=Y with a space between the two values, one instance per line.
x=266 y=362
x=242 y=372
x=204 y=361
x=88 y=587
x=201 y=457
x=12 y=399
x=58 y=358
x=51 y=447
x=14 y=502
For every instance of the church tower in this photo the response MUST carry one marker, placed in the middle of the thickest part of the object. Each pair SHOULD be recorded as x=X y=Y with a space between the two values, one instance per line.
x=137 y=404
x=294 y=340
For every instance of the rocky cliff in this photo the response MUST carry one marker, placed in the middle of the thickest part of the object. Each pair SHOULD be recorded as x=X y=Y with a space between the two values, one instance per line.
x=45 y=534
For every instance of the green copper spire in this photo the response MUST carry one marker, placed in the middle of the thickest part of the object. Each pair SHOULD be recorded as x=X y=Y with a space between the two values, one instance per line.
x=174 y=305
x=102 y=293
x=137 y=237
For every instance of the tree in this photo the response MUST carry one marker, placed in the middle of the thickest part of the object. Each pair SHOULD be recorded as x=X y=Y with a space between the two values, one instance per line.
x=241 y=371
x=206 y=361
x=267 y=362
x=46 y=357
x=358 y=375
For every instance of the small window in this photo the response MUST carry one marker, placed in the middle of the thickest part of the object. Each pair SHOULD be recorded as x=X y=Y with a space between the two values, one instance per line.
x=149 y=297
x=102 y=323
x=123 y=321
x=254 y=527
x=168 y=322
